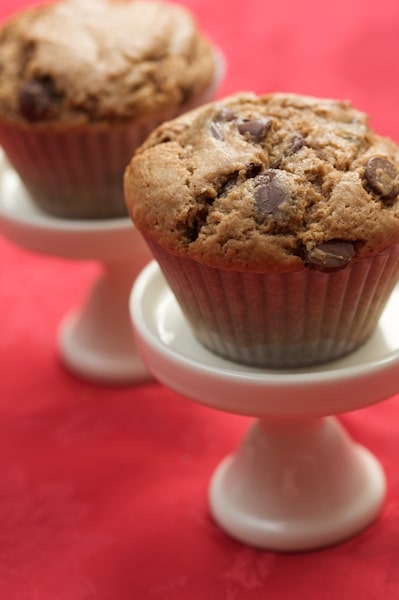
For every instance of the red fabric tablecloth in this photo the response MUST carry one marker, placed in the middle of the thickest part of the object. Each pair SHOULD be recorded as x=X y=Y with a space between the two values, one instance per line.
x=103 y=490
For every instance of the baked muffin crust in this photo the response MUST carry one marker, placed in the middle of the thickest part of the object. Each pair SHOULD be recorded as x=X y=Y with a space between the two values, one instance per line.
x=279 y=182
x=95 y=60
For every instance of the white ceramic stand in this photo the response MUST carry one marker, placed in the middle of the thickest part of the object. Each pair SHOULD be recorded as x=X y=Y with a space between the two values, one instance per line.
x=96 y=341
x=298 y=481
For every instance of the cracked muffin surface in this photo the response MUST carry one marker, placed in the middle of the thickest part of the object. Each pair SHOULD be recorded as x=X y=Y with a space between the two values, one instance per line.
x=79 y=61
x=275 y=183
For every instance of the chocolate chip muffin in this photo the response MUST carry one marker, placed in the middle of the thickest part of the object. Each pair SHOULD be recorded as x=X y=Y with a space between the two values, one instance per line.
x=275 y=220
x=83 y=82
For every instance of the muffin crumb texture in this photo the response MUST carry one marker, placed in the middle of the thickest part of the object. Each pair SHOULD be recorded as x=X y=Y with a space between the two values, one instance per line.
x=100 y=60
x=268 y=183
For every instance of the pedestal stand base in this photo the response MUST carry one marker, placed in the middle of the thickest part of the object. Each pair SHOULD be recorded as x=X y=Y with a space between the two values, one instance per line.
x=96 y=342
x=297 y=486
x=101 y=365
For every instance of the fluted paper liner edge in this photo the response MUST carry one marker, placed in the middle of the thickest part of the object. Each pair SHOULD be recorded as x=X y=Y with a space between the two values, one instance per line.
x=286 y=320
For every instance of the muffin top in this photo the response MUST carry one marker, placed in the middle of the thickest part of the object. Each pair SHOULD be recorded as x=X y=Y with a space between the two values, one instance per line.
x=279 y=182
x=79 y=61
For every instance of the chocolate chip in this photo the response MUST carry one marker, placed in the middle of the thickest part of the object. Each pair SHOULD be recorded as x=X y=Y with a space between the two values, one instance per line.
x=36 y=98
x=275 y=164
x=296 y=144
x=252 y=170
x=225 y=114
x=270 y=193
x=332 y=255
x=196 y=219
x=216 y=130
x=229 y=184
x=381 y=176
x=256 y=129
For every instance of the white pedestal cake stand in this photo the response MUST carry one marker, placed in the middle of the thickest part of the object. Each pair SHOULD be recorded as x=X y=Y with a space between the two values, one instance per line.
x=298 y=481
x=96 y=341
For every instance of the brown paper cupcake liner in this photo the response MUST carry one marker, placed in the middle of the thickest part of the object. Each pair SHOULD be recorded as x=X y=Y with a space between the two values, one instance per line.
x=287 y=320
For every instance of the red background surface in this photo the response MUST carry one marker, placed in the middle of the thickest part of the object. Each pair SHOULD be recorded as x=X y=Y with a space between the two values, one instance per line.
x=103 y=491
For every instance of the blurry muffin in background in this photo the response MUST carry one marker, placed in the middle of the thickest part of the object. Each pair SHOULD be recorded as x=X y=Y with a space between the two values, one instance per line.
x=82 y=84
x=275 y=220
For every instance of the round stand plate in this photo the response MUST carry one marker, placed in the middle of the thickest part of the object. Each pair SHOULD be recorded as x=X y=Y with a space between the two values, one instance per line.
x=297 y=481
x=97 y=342
x=369 y=375
x=23 y=223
